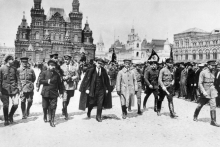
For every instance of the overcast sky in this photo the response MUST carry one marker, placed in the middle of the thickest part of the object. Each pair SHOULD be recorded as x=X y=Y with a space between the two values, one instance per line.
x=153 y=19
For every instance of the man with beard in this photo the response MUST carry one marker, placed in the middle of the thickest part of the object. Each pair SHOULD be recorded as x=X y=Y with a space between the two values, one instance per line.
x=10 y=87
x=52 y=89
x=70 y=83
x=166 y=83
x=96 y=85
x=208 y=92
x=151 y=80
x=27 y=77
x=126 y=86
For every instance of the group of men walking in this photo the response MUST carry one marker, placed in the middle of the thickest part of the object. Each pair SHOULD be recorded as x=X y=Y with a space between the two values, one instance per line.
x=61 y=80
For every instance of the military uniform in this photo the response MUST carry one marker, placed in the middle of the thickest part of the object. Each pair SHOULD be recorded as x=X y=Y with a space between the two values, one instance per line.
x=10 y=86
x=70 y=77
x=151 y=78
x=166 y=82
x=208 y=93
x=27 y=77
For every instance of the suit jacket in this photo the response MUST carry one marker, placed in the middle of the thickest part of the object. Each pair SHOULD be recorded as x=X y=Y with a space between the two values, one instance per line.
x=55 y=87
x=88 y=83
x=217 y=82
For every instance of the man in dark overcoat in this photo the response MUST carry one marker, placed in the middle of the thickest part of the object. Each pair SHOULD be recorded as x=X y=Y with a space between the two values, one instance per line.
x=52 y=89
x=96 y=86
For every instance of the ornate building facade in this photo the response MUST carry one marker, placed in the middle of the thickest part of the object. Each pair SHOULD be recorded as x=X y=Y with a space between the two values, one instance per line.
x=197 y=45
x=137 y=50
x=5 y=50
x=54 y=33
x=100 y=49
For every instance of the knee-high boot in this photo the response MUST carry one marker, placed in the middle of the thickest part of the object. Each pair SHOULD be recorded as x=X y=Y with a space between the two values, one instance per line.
x=171 y=107
x=155 y=104
x=213 y=118
x=159 y=103
x=49 y=113
x=45 y=114
x=11 y=114
x=5 y=111
x=124 y=112
x=28 y=108
x=98 y=115
x=23 y=109
x=53 y=111
x=196 y=113
x=139 y=107
x=65 y=110
x=145 y=101
x=90 y=107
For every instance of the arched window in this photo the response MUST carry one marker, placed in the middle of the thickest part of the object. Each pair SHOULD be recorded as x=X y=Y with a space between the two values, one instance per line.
x=23 y=53
x=142 y=55
x=137 y=54
x=138 y=45
x=214 y=54
x=194 y=55
x=52 y=36
x=75 y=38
x=87 y=39
x=176 y=57
x=61 y=37
x=200 y=55
x=186 y=55
x=57 y=37
x=207 y=54
x=37 y=35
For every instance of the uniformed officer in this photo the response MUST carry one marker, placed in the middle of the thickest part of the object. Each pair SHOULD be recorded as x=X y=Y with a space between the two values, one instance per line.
x=166 y=82
x=27 y=77
x=52 y=89
x=138 y=75
x=208 y=92
x=70 y=78
x=151 y=79
x=10 y=86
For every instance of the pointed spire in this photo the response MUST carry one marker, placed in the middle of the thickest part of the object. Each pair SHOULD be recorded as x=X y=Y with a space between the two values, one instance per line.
x=23 y=14
x=87 y=20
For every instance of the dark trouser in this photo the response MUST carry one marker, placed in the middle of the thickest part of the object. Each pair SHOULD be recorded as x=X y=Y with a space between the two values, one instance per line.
x=66 y=99
x=148 y=93
x=50 y=104
x=162 y=94
x=28 y=96
x=190 y=93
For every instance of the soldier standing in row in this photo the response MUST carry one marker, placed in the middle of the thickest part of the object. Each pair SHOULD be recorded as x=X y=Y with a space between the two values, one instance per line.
x=151 y=80
x=166 y=82
x=10 y=87
x=208 y=92
x=27 y=77
x=70 y=78
x=52 y=89
x=126 y=86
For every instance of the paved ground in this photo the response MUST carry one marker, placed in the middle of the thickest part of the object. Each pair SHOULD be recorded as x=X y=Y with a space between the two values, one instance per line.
x=146 y=130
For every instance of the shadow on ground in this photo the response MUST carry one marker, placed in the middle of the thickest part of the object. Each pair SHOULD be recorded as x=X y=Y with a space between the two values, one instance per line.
x=59 y=118
x=206 y=120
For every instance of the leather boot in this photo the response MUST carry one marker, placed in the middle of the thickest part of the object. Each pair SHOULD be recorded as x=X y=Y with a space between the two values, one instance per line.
x=5 y=111
x=123 y=112
x=49 y=113
x=213 y=118
x=139 y=107
x=23 y=109
x=90 y=107
x=98 y=115
x=155 y=104
x=65 y=111
x=52 y=117
x=28 y=108
x=13 y=109
x=171 y=107
x=196 y=113
x=159 y=103
x=45 y=114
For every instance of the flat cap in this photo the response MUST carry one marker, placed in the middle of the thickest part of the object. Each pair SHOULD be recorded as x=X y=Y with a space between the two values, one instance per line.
x=8 y=57
x=169 y=60
x=52 y=61
x=211 y=62
x=53 y=55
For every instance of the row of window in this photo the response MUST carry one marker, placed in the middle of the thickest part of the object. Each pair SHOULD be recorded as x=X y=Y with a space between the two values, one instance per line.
x=137 y=54
x=201 y=43
x=215 y=55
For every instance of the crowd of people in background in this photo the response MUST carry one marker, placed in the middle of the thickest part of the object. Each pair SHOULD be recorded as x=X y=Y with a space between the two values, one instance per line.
x=60 y=77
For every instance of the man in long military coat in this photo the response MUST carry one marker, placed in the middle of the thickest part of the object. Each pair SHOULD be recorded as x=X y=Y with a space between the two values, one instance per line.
x=208 y=92
x=70 y=78
x=96 y=86
x=10 y=87
x=52 y=89
x=126 y=86
x=27 y=77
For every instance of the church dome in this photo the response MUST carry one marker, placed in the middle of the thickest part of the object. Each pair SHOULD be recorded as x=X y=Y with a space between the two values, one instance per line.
x=37 y=1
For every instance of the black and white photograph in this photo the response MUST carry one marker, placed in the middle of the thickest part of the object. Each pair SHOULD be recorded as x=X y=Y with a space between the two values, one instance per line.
x=109 y=73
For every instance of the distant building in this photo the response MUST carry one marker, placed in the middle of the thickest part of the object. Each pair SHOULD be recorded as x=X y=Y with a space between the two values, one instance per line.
x=54 y=33
x=100 y=49
x=196 y=45
x=5 y=50
x=137 y=50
